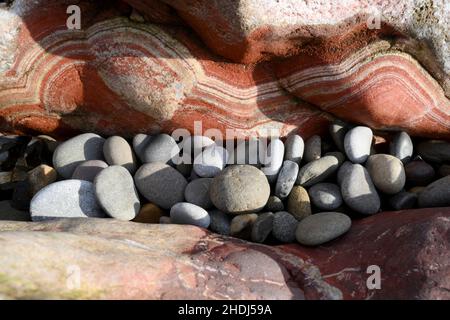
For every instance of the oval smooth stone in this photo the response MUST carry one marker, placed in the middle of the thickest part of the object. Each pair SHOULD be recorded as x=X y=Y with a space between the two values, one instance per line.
x=286 y=179
x=387 y=173
x=211 y=161
x=273 y=160
x=117 y=151
x=357 y=144
x=401 y=147
x=317 y=171
x=358 y=190
x=419 y=173
x=434 y=151
x=160 y=184
x=197 y=192
x=322 y=227
x=325 y=196
x=284 y=226
x=161 y=148
x=88 y=170
x=343 y=171
x=436 y=194
x=313 y=148
x=116 y=193
x=188 y=213
x=294 y=148
x=66 y=199
x=298 y=203
x=69 y=154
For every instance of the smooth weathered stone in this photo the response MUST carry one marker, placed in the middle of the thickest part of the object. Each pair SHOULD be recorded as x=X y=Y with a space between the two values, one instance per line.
x=188 y=213
x=326 y=196
x=240 y=189
x=343 y=171
x=160 y=184
x=317 y=171
x=88 y=170
x=211 y=161
x=357 y=144
x=273 y=160
x=358 y=190
x=299 y=204
x=140 y=141
x=284 y=226
x=69 y=154
x=403 y=200
x=294 y=148
x=241 y=225
x=117 y=151
x=436 y=194
x=387 y=173
x=313 y=148
x=40 y=177
x=160 y=148
x=444 y=170
x=286 y=179
x=401 y=147
x=337 y=130
x=66 y=199
x=149 y=213
x=251 y=151
x=419 y=173
x=262 y=227
x=434 y=151
x=220 y=222
x=197 y=192
x=322 y=227
x=116 y=193
x=274 y=204
x=7 y=212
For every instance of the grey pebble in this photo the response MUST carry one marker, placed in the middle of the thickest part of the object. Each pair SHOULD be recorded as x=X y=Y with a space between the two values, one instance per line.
x=294 y=148
x=262 y=227
x=436 y=194
x=313 y=148
x=160 y=148
x=401 y=147
x=188 y=213
x=220 y=222
x=197 y=192
x=317 y=171
x=117 y=151
x=88 y=170
x=284 y=226
x=273 y=160
x=337 y=130
x=211 y=161
x=357 y=144
x=325 y=196
x=286 y=179
x=140 y=141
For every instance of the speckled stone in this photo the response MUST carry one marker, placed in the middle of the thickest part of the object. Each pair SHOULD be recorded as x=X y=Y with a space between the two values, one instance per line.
x=294 y=148
x=436 y=194
x=220 y=222
x=317 y=171
x=357 y=144
x=284 y=227
x=313 y=148
x=401 y=147
x=262 y=227
x=286 y=179
x=88 y=170
x=117 y=151
x=197 y=192
x=387 y=173
x=188 y=213
x=274 y=204
x=326 y=196
x=299 y=204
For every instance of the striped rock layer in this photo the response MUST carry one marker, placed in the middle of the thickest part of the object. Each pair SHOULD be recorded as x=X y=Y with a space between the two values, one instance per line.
x=116 y=76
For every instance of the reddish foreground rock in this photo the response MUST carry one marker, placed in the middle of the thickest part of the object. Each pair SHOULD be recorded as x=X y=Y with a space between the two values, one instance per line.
x=105 y=258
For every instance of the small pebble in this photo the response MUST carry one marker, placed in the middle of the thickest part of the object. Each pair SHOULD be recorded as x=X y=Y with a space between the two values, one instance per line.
x=274 y=204
x=241 y=225
x=326 y=196
x=299 y=204
x=273 y=160
x=436 y=194
x=284 y=227
x=262 y=227
x=220 y=222
x=357 y=144
x=149 y=213
x=116 y=193
x=387 y=173
x=401 y=147
x=286 y=179
x=313 y=148
x=437 y=151
x=160 y=148
x=197 y=192
x=117 y=151
x=188 y=213
x=403 y=200
x=40 y=177
x=419 y=173
x=317 y=171
x=211 y=161
x=294 y=148
x=322 y=227
x=88 y=170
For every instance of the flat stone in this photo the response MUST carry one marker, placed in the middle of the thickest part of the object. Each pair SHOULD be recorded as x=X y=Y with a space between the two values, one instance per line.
x=66 y=199
x=325 y=196
x=262 y=227
x=437 y=151
x=436 y=194
x=211 y=161
x=403 y=200
x=197 y=192
x=387 y=173
x=188 y=213
x=274 y=204
x=88 y=170
x=116 y=193
x=7 y=212
x=322 y=227
x=71 y=153
x=117 y=151
x=140 y=141
x=149 y=213
x=284 y=226
x=337 y=130
x=357 y=144
x=160 y=148
x=401 y=147
x=419 y=173
x=220 y=222
x=294 y=148
x=299 y=204
x=313 y=148
x=316 y=171
x=40 y=177
x=358 y=190
x=241 y=225
x=273 y=160
x=160 y=184
x=286 y=179
x=240 y=189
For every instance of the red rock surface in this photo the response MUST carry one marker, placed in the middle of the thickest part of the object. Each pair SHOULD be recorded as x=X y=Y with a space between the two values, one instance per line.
x=142 y=261
x=117 y=76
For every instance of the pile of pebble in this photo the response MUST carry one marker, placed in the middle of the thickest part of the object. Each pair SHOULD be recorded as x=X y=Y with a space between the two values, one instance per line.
x=294 y=190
